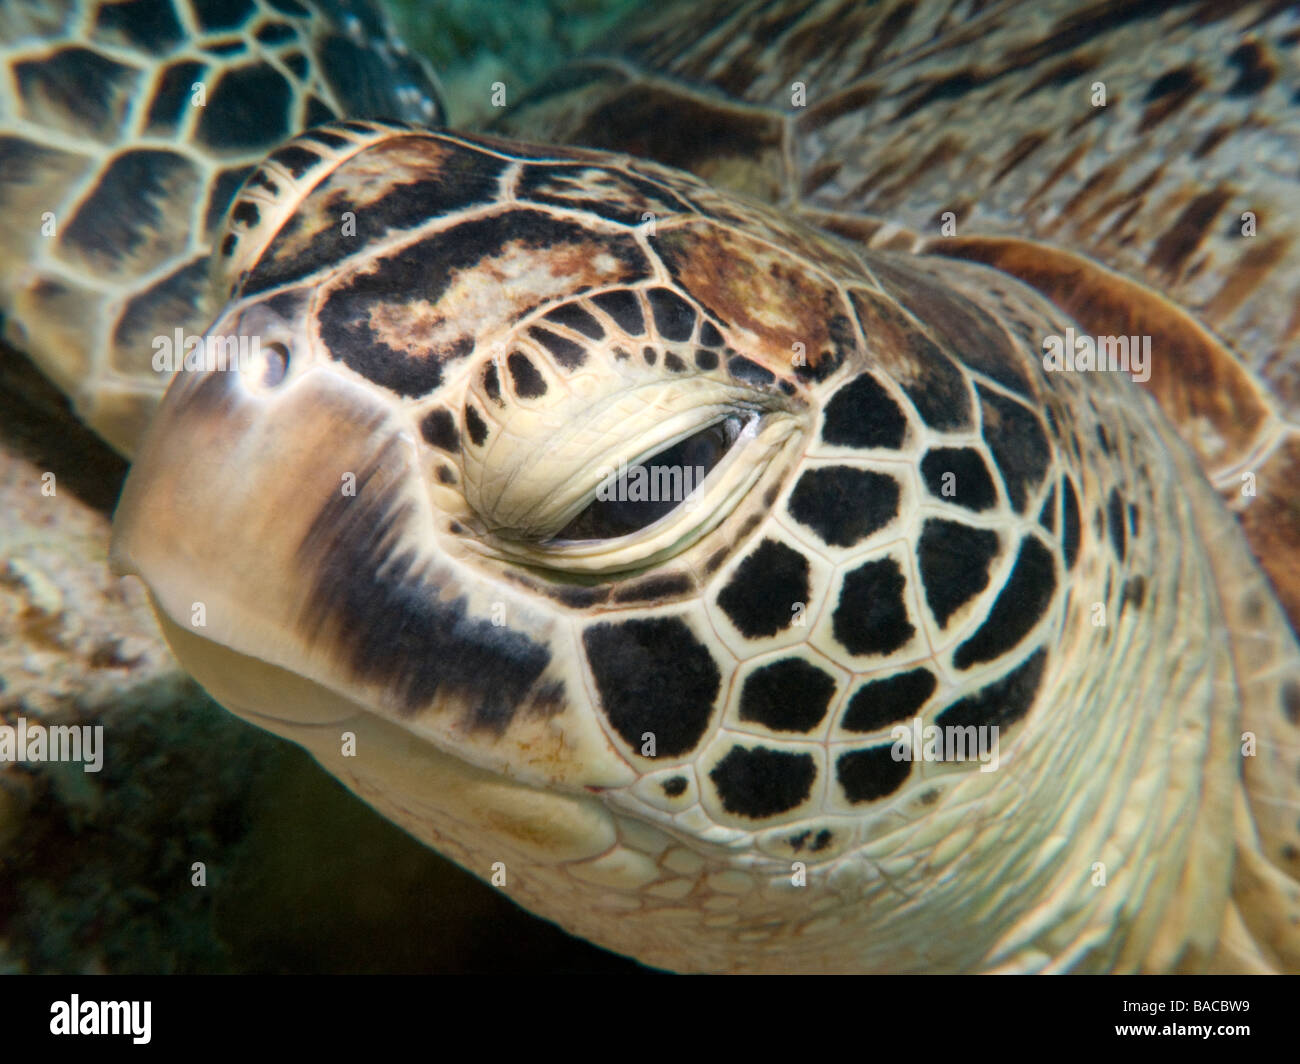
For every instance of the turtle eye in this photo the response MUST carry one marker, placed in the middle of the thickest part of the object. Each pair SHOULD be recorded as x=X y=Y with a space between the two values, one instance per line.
x=632 y=498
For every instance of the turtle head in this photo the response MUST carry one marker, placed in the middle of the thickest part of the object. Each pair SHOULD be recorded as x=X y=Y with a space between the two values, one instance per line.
x=558 y=506
x=465 y=473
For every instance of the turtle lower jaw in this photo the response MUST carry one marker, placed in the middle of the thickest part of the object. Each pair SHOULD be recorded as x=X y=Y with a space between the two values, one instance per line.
x=439 y=798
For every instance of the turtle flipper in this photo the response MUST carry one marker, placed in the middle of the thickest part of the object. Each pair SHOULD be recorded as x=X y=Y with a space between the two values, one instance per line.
x=126 y=133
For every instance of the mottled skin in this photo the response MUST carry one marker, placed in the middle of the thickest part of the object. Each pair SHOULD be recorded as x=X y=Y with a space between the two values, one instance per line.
x=373 y=516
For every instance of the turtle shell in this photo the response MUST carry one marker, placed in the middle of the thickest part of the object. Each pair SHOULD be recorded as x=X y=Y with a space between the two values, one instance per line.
x=127 y=137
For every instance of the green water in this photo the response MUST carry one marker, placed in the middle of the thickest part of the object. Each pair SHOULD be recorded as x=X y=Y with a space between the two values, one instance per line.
x=472 y=43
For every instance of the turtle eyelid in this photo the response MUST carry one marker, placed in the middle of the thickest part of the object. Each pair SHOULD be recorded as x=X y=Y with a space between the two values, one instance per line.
x=671 y=478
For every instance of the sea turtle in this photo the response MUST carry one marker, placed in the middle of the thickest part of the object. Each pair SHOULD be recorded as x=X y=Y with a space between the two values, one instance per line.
x=442 y=525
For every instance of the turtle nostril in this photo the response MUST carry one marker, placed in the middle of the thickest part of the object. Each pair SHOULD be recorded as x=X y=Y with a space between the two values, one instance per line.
x=276 y=364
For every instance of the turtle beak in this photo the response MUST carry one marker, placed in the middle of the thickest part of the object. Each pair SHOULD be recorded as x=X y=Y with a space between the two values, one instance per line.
x=237 y=468
x=283 y=537
x=279 y=515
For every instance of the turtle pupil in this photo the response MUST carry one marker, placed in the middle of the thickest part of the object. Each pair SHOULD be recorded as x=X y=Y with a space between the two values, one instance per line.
x=644 y=493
